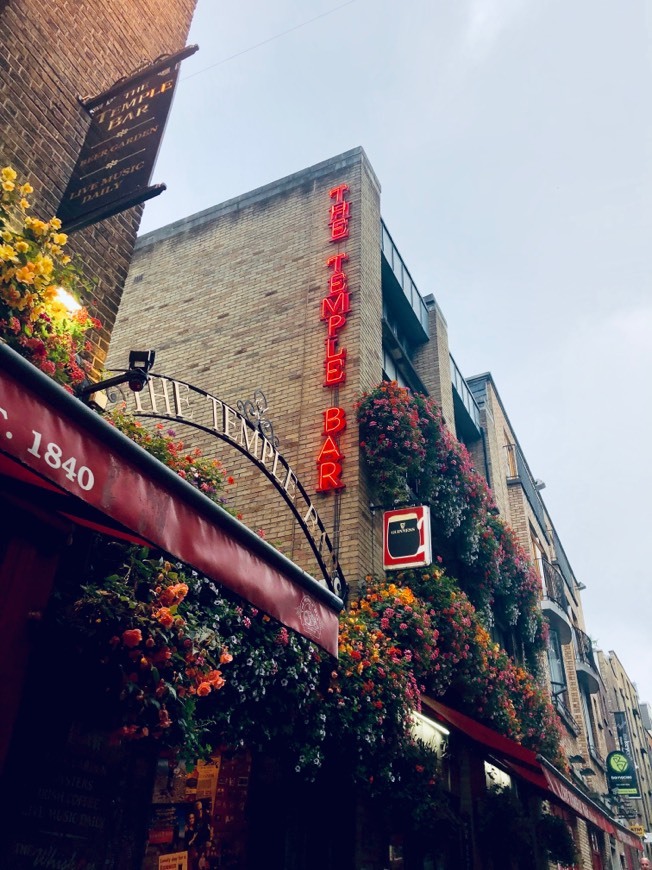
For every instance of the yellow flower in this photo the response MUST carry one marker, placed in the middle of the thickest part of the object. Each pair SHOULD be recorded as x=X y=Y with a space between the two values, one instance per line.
x=7 y=252
x=8 y=174
x=22 y=247
x=65 y=259
x=6 y=236
x=37 y=226
x=26 y=274
x=43 y=264
x=59 y=238
x=23 y=204
x=8 y=186
x=55 y=223
x=26 y=188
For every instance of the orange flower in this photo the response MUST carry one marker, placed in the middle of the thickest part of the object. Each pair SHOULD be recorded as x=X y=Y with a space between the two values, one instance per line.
x=132 y=637
x=226 y=657
x=215 y=679
x=203 y=689
x=164 y=616
x=173 y=594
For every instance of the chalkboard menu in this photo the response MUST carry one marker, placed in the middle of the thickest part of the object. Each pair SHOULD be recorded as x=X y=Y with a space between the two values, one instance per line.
x=75 y=804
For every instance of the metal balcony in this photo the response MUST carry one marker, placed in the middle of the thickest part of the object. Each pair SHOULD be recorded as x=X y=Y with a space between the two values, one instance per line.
x=555 y=603
x=467 y=412
x=587 y=670
x=562 y=562
x=401 y=291
x=518 y=471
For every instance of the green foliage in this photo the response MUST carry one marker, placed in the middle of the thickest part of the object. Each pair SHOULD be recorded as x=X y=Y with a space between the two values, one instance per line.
x=504 y=829
x=556 y=838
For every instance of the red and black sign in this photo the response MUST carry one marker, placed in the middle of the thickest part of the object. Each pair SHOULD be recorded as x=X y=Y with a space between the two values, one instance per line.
x=117 y=159
x=406 y=538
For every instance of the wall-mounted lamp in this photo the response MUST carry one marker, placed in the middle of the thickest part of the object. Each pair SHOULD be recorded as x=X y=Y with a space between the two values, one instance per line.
x=140 y=363
x=539 y=485
x=587 y=771
x=67 y=300
x=576 y=759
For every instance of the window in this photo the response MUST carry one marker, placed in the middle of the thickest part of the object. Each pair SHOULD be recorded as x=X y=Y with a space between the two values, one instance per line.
x=588 y=720
x=556 y=665
x=391 y=371
x=538 y=554
x=510 y=455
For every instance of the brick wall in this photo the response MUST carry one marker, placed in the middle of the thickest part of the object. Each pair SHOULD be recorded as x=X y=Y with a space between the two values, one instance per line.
x=230 y=299
x=432 y=363
x=51 y=52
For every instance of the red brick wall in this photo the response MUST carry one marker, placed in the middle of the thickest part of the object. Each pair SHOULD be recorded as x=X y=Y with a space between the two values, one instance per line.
x=51 y=51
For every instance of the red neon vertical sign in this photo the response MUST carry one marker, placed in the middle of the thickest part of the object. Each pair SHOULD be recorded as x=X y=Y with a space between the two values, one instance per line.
x=335 y=307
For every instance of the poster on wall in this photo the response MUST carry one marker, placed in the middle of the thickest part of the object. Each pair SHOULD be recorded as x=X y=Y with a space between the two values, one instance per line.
x=407 y=541
x=198 y=815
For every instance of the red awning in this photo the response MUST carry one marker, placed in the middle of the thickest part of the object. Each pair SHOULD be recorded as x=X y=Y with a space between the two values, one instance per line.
x=531 y=767
x=89 y=471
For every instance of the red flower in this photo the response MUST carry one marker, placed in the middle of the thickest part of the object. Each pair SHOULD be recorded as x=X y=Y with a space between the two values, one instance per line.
x=132 y=637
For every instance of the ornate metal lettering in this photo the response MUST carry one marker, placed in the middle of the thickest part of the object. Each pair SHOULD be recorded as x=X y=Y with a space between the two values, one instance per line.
x=254 y=411
x=247 y=430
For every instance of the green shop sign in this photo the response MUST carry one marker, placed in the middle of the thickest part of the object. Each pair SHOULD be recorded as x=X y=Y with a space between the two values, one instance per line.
x=621 y=775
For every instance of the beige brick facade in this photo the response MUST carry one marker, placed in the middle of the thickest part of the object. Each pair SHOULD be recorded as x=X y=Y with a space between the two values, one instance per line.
x=244 y=281
x=52 y=53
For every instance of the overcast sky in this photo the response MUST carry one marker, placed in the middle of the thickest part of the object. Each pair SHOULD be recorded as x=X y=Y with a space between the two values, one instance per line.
x=512 y=139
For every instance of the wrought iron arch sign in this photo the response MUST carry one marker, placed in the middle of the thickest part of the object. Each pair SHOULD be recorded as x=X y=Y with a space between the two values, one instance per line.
x=166 y=398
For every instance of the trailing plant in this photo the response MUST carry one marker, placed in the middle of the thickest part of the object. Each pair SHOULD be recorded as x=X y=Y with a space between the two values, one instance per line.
x=469 y=539
x=34 y=268
x=151 y=655
x=556 y=837
x=207 y=475
x=420 y=633
x=391 y=440
x=504 y=829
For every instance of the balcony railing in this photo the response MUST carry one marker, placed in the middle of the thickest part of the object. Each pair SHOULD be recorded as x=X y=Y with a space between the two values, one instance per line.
x=404 y=279
x=553 y=585
x=584 y=649
x=465 y=394
x=555 y=602
x=517 y=469
x=587 y=671
x=562 y=561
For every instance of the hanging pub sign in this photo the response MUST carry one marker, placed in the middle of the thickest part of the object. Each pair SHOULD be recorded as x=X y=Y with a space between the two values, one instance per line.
x=621 y=775
x=117 y=158
x=406 y=538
